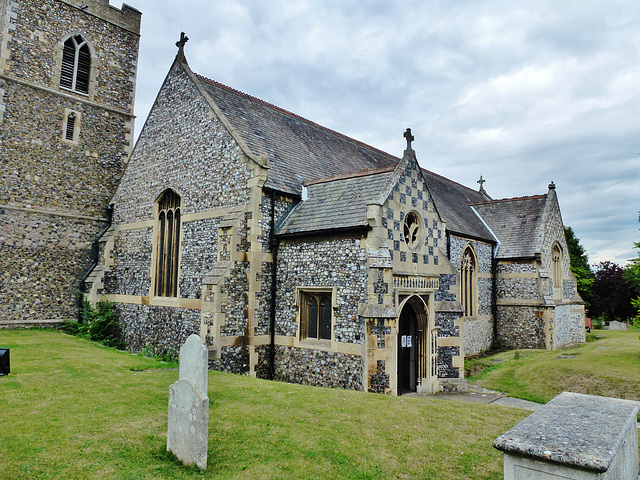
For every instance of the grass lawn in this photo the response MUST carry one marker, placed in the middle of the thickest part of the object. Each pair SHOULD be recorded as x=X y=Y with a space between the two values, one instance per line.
x=73 y=409
x=607 y=366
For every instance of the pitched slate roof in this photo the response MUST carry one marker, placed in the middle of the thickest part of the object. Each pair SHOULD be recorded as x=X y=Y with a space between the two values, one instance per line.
x=298 y=150
x=453 y=203
x=518 y=224
x=336 y=203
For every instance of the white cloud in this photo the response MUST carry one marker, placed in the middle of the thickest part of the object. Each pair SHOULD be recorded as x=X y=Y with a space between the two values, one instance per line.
x=525 y=93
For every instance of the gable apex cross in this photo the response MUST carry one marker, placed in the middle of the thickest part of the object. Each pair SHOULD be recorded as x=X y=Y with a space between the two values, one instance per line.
x=181 y=43
x=410 y=138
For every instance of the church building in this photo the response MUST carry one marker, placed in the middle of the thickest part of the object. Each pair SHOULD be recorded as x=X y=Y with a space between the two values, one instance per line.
x=300 y=254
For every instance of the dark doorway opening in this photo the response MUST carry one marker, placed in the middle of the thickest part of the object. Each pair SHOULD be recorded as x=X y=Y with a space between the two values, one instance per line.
x=407 y=350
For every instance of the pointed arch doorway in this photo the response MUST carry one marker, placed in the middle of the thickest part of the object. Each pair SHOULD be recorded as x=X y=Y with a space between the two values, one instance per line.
x=415 y=347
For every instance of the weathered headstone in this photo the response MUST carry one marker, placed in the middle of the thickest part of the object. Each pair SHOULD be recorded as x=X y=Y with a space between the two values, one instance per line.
x=188 y=430
x=574 y=436
x=615 y=325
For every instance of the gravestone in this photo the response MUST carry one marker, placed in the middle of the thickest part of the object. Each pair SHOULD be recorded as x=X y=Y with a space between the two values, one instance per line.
x=615 y=325
x=574 y=436
x=188 y=430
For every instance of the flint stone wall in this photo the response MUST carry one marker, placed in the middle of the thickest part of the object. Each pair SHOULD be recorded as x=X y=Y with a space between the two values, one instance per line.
x=520 y=327
x=163 y=329
x=42 y=25
x=199 y=250
x=478 y=335
x=484 y=252
x=40 y=269
x=518 y=288
x=40 y=170
x=319 y=368
x=569 y=326
x=337 y=263
x=185 y=148
x=44 y=256
x=445 y=366
x=131 y=273
x=282 y=208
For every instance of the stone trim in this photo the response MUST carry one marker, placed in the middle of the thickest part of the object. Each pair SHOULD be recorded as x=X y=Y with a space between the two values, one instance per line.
x=57 y=213
x=188 y=303
x=9 y=25
x=67 y=96
x=512 y=302
x=131 y=16
x=415 y=283
x=522 y=275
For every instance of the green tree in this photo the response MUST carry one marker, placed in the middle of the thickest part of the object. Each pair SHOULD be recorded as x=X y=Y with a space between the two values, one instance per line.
x=632 y=276
x=580 y=265
x=612 y=294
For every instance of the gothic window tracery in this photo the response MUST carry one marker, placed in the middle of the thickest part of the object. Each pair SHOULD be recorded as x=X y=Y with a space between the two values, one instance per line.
x=76 y=65
x=315 y=316
x=412 y=230
x=168 y=251
x=468 y=282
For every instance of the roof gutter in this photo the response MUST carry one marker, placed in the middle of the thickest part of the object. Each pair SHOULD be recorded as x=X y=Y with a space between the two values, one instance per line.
x=325 y=232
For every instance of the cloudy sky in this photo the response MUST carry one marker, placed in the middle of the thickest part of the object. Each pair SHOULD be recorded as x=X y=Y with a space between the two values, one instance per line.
x=523 y=93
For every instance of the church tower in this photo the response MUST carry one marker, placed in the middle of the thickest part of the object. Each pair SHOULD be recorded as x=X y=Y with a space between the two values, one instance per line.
x=67 y=86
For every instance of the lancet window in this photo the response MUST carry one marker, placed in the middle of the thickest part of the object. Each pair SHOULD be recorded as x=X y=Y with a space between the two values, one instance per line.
x=76 y=65
x=468 y=282
x=168 y=251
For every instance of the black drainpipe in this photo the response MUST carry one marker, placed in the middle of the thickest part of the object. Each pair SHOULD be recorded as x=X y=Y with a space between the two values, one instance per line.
x=273 y=246
x=94 y=256
x=448 y=245
x=494 y=294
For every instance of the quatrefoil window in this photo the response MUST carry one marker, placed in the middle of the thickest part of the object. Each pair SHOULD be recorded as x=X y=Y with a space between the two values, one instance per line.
x=412 y=230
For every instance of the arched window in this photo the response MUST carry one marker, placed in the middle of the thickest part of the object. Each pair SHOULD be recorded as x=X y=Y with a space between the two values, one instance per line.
x=168 y=244
x=468 y=282
x=76 y=65
x=71 y=126
x=556 y=265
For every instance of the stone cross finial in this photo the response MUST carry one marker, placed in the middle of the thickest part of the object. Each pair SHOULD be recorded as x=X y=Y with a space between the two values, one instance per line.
x=481 y=182
x=181 y=43
x=410 y=138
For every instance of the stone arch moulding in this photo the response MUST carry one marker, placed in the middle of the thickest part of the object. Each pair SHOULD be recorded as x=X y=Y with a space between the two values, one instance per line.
x=95 y=60
x=468 y=271
x=557 y=254
x=427 y=342
x=167 y=246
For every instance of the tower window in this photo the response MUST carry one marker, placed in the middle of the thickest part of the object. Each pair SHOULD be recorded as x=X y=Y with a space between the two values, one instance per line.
x=168 y=224
x=76 y=65
x=71 y=126
x=71 y=123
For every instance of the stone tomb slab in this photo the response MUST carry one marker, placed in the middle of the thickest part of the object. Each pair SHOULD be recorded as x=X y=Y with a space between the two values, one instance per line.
x=194 y=362
x=188 y=424
x=574 y=436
